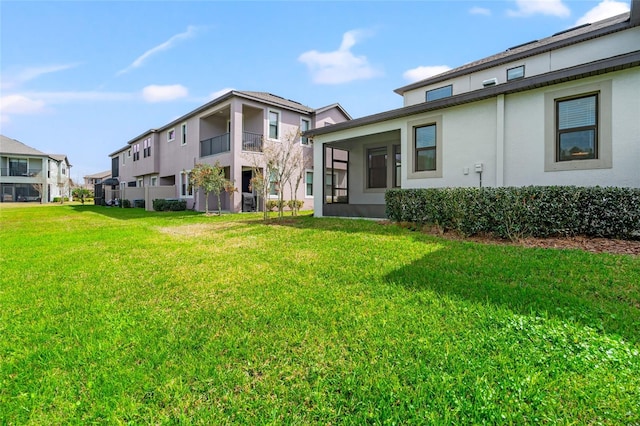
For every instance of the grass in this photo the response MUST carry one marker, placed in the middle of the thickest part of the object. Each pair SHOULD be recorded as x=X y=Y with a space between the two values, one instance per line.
x=122 y=316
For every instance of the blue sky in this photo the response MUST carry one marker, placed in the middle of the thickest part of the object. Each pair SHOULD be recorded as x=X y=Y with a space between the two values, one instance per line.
x=82 y=78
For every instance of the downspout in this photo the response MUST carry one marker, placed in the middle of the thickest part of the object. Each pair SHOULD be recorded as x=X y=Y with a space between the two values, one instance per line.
x=500 y=140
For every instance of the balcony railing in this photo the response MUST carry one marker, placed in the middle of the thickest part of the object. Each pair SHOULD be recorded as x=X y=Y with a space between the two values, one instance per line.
x=215 y=145
x=251 y=142
x=8 y=171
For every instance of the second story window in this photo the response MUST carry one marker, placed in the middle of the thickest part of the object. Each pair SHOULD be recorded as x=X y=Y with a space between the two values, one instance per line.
x=146 y=148
x=304 y=126
x=171 y=135
x=136 y=152
x=183 y=134
x=274 y=125
x=515 y=73
x=439 y=93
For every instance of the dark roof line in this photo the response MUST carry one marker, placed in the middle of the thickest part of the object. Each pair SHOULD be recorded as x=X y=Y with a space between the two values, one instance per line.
x=560 y=40
x=616 y=63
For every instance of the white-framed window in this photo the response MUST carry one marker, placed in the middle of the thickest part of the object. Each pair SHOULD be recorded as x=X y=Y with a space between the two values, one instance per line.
x=153 y=181
x=439 y=93
x=124 y=157
x=146 y=148
x=273 y=184
x=186 y=190
x=136 y=152
x=171 y=135
x=140 y=183
x=129 y=153
x=308 y=183
x=183 y=134
x=305 y=124
x=274 y=125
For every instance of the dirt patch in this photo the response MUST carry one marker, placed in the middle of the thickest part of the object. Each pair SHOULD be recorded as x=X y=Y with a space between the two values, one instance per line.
x=196 y=229
x=590 y=244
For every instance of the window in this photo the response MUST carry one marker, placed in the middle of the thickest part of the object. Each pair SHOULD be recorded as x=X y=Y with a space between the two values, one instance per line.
x=153 y=181
x=274 y=123
x=439 y=93
x=425 y=148
x=397 y=179
x=183 y=132
x=304 y=126
x=124 y=157
x=308 y=179
x=273 y=183
x=171 y=135
x=186 y=190
x=146 y=148
x=136 y=152
x=17 y=167
x=377 y=168
x=128 y=153
x=140 y=183
x=515 y=73
x=577 y=128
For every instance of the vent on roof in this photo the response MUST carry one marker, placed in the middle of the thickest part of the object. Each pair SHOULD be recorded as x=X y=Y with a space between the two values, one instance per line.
x=490 y=82
x=570 y=29
x=523 y=44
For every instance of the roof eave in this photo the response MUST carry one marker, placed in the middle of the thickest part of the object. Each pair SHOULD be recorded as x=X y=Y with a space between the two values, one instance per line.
x=616 y=63
x=536 y=50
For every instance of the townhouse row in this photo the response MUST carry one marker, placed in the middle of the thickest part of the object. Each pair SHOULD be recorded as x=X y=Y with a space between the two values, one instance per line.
x=232 y=131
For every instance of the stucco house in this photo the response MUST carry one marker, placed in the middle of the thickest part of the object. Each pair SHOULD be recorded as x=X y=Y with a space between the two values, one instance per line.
x=563 y=110
x=231 y=130
x=27 y=174
x=97 y=178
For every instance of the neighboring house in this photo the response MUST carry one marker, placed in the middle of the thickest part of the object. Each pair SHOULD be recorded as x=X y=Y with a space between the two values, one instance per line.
x=563 y=110
x=230 y=130
x=91 y=180
x=27 y=174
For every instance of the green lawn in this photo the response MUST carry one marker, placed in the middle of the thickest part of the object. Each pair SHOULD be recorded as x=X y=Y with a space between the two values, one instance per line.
x=114 y=315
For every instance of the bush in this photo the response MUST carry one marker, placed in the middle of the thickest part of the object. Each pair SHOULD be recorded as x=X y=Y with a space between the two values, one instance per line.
x=518 y=212
x=162 y=205
x=57 y=199
x=295 y=204
x=273 y=204
x=125 y=204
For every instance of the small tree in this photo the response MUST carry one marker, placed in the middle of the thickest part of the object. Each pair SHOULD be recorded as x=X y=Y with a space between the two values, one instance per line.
x=39 y=188
x=210 y=179
x=81 y=193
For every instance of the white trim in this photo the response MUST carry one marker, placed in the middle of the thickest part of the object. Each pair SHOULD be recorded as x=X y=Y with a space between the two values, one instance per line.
x=305 y=183
x=307 y=120
x=279 y=124
x=171 y=135
x=185 y=173
x=183 y=133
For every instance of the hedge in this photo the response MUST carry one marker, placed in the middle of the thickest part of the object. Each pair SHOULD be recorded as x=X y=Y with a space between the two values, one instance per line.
x=516 y=212
x=163 y=205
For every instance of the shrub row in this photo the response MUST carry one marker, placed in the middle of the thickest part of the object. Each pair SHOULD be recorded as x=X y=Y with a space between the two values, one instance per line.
x=516 y=212
x=273 y=204
x=162 y=205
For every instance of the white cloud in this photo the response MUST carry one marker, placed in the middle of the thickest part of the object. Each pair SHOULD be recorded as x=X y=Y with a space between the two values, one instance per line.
x=339 y=66
x=219 y=93
x=156 y=93
x=603 y=10
x=480 y=11
x=543 y=7
x=191 y=31
x=20 y=104
x=422 y=72
x=31 y=73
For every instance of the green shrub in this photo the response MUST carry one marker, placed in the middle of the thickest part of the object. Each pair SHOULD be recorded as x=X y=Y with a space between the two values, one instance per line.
x=516 y=212
x=295 y=204
x=125 y=203
x=163 y=205
x=271 y=204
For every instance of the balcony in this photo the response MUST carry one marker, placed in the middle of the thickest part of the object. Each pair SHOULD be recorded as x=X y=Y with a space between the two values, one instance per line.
x=251 y=142
x=215 y=145
x=20 y=171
